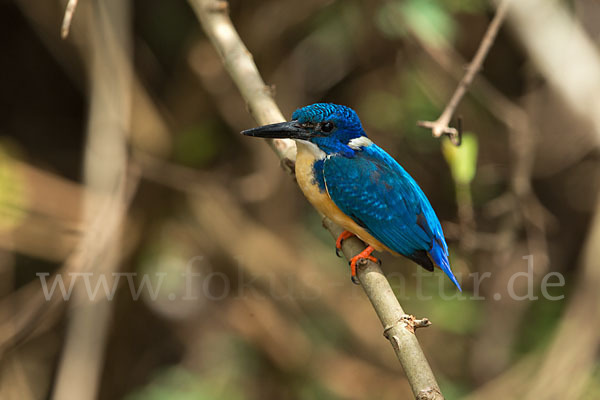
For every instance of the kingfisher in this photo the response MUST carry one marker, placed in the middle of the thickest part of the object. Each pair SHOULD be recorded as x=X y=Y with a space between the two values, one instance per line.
x=360 y=187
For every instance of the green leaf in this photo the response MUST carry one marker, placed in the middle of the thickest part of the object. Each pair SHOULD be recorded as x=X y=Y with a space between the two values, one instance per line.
x=462 y=159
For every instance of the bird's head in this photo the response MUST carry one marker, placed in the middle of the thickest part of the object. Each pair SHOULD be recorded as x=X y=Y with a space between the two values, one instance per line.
x=331 y=127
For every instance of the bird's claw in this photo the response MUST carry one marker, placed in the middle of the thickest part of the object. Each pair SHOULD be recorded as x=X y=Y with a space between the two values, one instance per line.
x=361 y=259
x=340 y=240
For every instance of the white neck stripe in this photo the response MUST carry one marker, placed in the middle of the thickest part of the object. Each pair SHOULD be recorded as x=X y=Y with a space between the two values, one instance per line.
x=359 y=142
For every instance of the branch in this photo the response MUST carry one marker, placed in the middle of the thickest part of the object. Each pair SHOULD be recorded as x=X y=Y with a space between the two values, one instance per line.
x=240 y=65
x=398 y=327
x=108 y=40
x=440 y=126
x=66 y=24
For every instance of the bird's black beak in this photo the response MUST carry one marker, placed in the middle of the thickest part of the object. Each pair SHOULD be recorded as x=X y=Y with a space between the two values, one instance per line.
x=283 y=130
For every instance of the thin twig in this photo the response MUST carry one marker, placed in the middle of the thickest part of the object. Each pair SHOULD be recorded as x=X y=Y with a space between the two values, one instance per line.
x=241 y=67
x=66 y=24
x=523 y=135
x=440 y=126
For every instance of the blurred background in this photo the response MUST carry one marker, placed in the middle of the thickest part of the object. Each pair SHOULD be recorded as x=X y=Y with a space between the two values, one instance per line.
x=193 y=266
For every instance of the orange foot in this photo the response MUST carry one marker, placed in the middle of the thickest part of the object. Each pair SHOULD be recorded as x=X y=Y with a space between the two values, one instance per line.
x=338 y=243
x=363 y=255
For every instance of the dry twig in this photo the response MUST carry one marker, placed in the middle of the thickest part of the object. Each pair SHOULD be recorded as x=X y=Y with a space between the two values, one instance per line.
x=521 y=202
x=66 y=24
x=241 y=67
x=440 y=126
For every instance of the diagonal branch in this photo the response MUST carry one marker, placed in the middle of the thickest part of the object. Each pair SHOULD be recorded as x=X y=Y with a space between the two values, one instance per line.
x=440 y=126
x=398 y=327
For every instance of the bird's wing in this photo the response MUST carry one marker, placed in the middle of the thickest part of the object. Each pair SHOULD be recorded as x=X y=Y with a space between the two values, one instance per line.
x=378 y=194
x=383 y=199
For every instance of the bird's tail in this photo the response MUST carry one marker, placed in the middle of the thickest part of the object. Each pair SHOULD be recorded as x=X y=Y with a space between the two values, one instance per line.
x=439 y=256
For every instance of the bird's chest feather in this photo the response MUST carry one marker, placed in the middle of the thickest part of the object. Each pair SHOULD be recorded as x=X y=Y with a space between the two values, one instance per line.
x=309 y=174
x=310 y=178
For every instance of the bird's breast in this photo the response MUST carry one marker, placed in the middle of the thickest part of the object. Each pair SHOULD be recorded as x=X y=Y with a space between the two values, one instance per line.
x=308 y=181
x=317 y=195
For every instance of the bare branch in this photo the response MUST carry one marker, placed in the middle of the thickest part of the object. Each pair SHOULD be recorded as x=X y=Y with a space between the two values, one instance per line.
x=66 y=24
x=240 y=65
x=440 y=126
x=238 y=62
x=399 y=328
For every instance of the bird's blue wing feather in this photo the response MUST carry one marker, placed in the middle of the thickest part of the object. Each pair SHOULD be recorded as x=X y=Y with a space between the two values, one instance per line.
x=378 y=194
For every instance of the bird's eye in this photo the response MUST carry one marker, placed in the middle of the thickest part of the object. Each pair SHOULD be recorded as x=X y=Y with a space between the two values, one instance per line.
x=327 y=127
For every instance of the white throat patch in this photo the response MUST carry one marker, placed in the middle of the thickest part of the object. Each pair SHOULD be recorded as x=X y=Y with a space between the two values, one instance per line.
x=312 y=149
x=359 y=142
